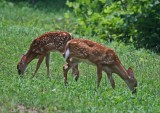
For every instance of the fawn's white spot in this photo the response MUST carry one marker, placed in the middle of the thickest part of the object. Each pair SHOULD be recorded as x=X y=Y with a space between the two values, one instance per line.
x=65 y=67
x=64 y=33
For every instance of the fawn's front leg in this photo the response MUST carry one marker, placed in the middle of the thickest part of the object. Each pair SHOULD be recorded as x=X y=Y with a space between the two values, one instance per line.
x=109 y=75
x=99 y=74
x=47 y=64
x=66 y=68
x=41 y=57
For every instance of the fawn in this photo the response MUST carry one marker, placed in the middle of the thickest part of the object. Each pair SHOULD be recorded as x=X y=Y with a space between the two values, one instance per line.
x=41 y=47
x=105 y=59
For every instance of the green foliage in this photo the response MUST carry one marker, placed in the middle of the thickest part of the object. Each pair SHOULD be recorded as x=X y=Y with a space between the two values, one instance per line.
x=136 y=20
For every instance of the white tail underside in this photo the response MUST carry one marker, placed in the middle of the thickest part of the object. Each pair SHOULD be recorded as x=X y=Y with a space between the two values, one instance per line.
x=67 y=53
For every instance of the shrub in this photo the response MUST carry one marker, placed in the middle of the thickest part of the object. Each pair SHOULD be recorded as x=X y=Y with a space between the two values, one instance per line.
x=136 y=21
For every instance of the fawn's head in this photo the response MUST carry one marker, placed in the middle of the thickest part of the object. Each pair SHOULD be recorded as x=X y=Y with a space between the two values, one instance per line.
x=132 y=81
x=21 y=66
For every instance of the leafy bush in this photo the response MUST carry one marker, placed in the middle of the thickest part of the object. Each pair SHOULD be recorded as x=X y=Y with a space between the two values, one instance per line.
x=136 y=21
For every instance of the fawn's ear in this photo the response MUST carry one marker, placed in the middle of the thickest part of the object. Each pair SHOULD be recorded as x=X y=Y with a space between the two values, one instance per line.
x=130 y=72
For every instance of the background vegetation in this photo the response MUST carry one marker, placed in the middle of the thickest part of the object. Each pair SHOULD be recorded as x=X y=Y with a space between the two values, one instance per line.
x=21 y=22
x=131 y=21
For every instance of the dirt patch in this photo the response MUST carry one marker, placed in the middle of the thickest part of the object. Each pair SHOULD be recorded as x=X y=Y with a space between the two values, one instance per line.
x=23 y=109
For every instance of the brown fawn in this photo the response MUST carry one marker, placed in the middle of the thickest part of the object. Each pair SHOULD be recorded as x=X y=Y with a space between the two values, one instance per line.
x=41 y=47
x=105 y=59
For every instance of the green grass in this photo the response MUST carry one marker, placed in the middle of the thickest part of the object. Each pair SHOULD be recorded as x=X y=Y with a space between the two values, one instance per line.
x=20 y=24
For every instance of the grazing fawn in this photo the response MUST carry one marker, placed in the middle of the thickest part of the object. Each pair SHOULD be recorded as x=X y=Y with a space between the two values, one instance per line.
x=105 y=59
x=41 y=47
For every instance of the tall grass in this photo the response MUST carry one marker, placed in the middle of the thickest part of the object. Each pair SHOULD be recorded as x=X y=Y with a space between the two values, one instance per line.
x=20 y=24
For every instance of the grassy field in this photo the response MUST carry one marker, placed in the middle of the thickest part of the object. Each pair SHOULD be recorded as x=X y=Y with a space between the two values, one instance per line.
x=20 y=24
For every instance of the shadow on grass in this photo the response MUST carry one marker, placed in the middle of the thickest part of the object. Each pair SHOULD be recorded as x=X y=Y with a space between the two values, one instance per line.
x=43 y=5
